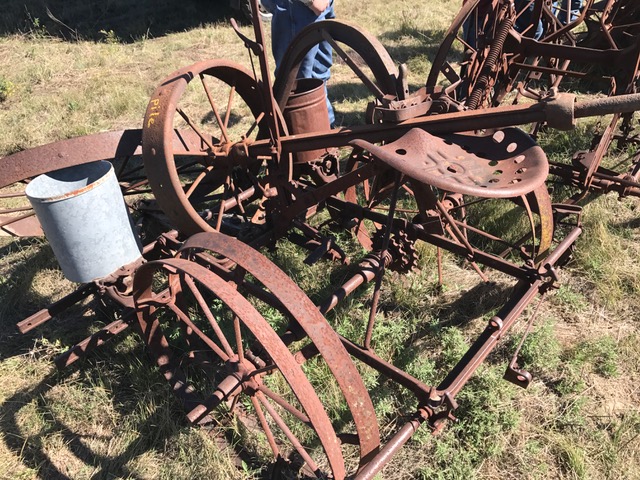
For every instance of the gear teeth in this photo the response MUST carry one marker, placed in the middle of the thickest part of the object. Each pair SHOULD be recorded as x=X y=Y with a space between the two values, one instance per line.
x=402 y=250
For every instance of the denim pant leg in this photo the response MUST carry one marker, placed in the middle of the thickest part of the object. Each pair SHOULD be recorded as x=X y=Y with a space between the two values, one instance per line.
x=559 y=9
x=525 y=20
x=288 y=19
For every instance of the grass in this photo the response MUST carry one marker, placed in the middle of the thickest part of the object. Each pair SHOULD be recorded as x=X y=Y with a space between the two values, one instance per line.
x=112 y=415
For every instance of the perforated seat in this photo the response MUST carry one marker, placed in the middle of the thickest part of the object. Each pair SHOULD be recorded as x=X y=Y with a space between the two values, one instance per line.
x=506 y=164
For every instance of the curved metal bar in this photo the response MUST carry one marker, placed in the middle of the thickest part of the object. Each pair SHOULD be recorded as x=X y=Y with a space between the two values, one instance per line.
x=310 y=320
x=67 y=153
x=373 y=53
x=259 y=327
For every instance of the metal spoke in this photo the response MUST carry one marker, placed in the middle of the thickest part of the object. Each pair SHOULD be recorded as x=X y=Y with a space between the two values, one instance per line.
x=227 y=114
x=289 y=434
x=210 y=343
x=255 y=123
x=284 y=404
x=207 y=312
x=373 y=88
x=265 y=427
x=197 y=181
x=223 y=127
x=194 y=127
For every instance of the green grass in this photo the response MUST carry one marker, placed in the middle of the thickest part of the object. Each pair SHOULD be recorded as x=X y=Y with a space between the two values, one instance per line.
x=112 y=416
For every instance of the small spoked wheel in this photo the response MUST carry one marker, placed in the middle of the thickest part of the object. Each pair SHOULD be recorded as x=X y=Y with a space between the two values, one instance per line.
x=224 y=341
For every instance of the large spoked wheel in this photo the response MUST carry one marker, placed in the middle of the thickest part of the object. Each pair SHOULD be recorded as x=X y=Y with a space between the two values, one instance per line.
x=471 y=57
x=362 y=76
x=363 y=70
x=212 y=341
x=211 y=187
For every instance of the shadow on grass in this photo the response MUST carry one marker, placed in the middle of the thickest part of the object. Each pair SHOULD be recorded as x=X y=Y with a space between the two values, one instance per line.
x=34 y=450
x=407 y=43
x=19 y=299
x=125 y=20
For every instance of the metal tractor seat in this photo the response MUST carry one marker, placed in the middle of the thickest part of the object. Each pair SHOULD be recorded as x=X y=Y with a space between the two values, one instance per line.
x=505 y=164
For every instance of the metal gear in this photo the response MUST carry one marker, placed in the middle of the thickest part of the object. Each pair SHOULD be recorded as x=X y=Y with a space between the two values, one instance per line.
x=401 y=250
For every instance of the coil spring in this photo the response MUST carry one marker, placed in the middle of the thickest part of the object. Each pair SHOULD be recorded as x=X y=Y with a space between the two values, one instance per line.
x=494 y=52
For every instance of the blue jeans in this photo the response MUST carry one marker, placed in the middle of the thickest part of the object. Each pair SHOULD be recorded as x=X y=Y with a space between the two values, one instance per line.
x=289 y=17
x=521 y=24
x=559 y=10
x=525 y=19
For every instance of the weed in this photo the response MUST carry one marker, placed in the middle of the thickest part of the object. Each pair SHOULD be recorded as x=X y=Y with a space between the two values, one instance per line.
x=110 y=37
x=540 y=351
x=6 y=89
x=36 y=28
x=571 y=457
x=599 y=354
x=567 y=296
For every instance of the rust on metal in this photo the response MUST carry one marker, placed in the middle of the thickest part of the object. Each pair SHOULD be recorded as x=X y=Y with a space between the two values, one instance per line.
x=505 y=164
x=447 y=146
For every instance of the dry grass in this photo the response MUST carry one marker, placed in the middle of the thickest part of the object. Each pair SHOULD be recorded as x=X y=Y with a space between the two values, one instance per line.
x=112 y=416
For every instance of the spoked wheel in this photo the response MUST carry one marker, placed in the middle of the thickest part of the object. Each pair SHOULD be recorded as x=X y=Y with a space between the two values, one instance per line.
x=363 y=70
x=210 y=188
x=517 y=230
x=471 y=57
x=212 y=341
x=364 y=75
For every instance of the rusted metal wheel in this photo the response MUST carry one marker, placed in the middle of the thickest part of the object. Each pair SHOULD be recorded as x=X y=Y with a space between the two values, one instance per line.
x=372 y=73
x=366 y=66
x=207 y=328
x=471 y=56
x=121 y=148
x=204 y=189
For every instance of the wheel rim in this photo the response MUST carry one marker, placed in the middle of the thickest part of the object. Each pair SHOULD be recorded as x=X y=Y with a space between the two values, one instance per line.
x=235 y=377
x=363 y=55
x=479 y=51
x=290 y=301
x=219 y=102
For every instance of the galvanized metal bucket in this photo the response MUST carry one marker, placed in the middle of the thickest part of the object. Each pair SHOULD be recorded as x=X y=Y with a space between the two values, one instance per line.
x=85 y=219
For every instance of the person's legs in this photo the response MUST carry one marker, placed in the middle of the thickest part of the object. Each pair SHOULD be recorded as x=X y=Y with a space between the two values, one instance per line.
x=288 y=19
x=560 y=10
x=317 y=62
x=524 y=20
x=282 y=29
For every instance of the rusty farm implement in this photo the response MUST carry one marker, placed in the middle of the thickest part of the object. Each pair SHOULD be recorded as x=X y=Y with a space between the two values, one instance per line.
x=233 y=163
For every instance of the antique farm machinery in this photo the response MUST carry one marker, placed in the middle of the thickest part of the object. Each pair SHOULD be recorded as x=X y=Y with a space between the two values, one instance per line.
x=235 y=164
x=523 y=50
